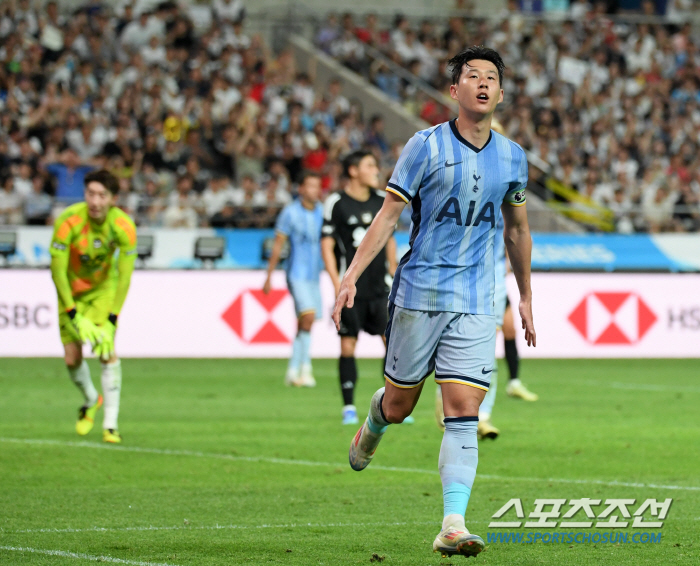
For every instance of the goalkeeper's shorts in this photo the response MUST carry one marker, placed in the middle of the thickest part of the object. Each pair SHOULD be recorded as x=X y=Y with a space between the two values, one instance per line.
x=95 y=305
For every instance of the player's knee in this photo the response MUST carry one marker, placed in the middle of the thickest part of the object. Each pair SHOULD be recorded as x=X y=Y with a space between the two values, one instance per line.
x=73 y=360
x=395 y=413
x=306 y=322
x=347 y=347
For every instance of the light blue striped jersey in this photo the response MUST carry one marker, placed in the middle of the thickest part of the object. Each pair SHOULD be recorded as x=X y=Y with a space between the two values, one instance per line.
x=456 y=191
x=499 y=253
x=303 y=228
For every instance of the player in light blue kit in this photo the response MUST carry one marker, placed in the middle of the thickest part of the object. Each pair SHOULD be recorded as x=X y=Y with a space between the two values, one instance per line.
x=300 y=222
x=459 y=176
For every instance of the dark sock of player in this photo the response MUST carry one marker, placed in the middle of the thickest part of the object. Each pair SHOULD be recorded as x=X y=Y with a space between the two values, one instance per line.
x=347 y=368
x=512 y=358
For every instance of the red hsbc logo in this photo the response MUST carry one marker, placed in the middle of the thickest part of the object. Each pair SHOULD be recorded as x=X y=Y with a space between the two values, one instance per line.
x=252 y=316
x=612 y=318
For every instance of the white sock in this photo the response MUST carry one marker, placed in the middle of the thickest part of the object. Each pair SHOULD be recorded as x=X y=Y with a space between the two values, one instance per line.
x=81 y=377
x=111 y=390
x=455 y=520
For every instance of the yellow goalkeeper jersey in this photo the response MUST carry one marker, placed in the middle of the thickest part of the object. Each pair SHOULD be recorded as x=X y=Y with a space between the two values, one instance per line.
x=86 y=251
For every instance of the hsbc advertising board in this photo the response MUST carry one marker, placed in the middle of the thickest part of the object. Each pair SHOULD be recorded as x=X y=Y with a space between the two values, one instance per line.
x=614 y=315
x=225 y=314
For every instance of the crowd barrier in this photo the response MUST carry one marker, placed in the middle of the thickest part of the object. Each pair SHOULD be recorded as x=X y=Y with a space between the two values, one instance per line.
x=224 y=314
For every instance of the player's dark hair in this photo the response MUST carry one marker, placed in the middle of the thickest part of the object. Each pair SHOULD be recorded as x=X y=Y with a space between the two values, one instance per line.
x=353 y=160
x=471 y=54
x=104 y=177
x=306 y=174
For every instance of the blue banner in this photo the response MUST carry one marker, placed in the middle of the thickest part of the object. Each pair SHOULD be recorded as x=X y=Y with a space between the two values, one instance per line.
x=550 y=252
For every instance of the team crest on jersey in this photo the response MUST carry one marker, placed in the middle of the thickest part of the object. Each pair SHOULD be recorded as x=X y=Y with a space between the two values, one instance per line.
x=352 y=220
x=97 y=243
x=476 y=181
x=367 y=217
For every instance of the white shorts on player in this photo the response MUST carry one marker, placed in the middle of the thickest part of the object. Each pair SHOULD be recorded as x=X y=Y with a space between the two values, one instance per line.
x=307 y=297
x=458 y=347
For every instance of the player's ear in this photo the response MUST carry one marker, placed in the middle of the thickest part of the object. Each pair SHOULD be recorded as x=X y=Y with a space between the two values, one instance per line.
x=500 y=97
x=453 y=92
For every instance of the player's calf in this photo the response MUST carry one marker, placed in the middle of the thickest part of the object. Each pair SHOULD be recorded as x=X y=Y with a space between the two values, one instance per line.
x=365 y=442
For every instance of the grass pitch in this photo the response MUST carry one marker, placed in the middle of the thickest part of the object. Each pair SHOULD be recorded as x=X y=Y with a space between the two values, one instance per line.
x=223 y=465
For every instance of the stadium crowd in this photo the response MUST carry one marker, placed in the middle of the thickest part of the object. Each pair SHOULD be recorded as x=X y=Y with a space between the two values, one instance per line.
x=205 y=128
x=612 y=107
x=208 y=127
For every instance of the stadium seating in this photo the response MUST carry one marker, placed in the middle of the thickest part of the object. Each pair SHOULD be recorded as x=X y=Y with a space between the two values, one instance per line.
x=611 y=107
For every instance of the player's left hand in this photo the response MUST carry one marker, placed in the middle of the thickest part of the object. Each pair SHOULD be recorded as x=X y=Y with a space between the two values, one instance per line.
x=104 y=349
x=346 y=298
x=528 y=322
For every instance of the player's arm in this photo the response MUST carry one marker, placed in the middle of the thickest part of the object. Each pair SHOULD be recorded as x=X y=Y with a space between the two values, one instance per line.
x=126 y=238
x=374 y=242
x=59 y=274
x=328 y=232
x=519 y=247
x=60 y=258
x=329 y=261
x=391 y=255
x=280 y=239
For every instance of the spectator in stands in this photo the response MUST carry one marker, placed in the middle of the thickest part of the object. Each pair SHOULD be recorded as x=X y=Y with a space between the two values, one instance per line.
x=229 y=10
x=69 y=171
x=217 y=194
x=10 y=203
x=227 y=217
x=38 y=204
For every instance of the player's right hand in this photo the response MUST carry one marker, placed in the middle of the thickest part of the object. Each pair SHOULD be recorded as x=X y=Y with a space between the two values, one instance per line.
x=346 y=298
x=528 y=321
x=267 y=287
x=105 y=349
x=86 y=329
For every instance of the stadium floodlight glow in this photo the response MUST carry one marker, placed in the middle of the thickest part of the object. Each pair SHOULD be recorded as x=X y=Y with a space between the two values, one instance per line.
x=209 y=248
x=8 y=244
x=144 y=246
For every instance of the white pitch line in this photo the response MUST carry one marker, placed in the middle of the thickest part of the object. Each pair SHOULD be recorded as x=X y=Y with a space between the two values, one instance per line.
x=217 y=527
x=81 y=556
x=291 y=462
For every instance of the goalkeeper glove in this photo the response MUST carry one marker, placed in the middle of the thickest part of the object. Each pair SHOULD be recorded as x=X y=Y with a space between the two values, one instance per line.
x=86 y=329
x=105 y=348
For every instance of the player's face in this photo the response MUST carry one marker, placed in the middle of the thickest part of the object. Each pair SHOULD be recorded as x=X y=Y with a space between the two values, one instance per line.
x=310 y=190
x=99 y=200
x=478 y=90
x=368 y=172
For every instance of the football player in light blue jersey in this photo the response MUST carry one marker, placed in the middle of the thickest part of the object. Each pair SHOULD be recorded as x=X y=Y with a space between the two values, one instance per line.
x=300 y=223
x=459 y=177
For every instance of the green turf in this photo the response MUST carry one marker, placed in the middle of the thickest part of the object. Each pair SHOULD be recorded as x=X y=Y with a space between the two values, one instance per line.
x=626 y=421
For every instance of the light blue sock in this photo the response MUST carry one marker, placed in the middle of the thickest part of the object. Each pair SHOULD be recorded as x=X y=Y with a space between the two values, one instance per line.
x=486 y=407
x=376 y=421
x=459 y=455
x=297 y=354
x=305 y=338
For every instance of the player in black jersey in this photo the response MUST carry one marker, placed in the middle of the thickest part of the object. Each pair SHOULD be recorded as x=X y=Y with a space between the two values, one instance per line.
x=347 y=216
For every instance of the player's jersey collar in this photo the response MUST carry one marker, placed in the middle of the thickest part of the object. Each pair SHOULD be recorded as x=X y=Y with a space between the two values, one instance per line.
x=455 y=131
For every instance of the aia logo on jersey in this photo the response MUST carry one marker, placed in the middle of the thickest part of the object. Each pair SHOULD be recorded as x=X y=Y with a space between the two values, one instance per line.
x=452 y=210
x=257 y=318
x=612 y=318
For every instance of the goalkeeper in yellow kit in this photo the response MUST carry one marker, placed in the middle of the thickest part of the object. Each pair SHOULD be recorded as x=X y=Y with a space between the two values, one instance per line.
x=92 y=285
